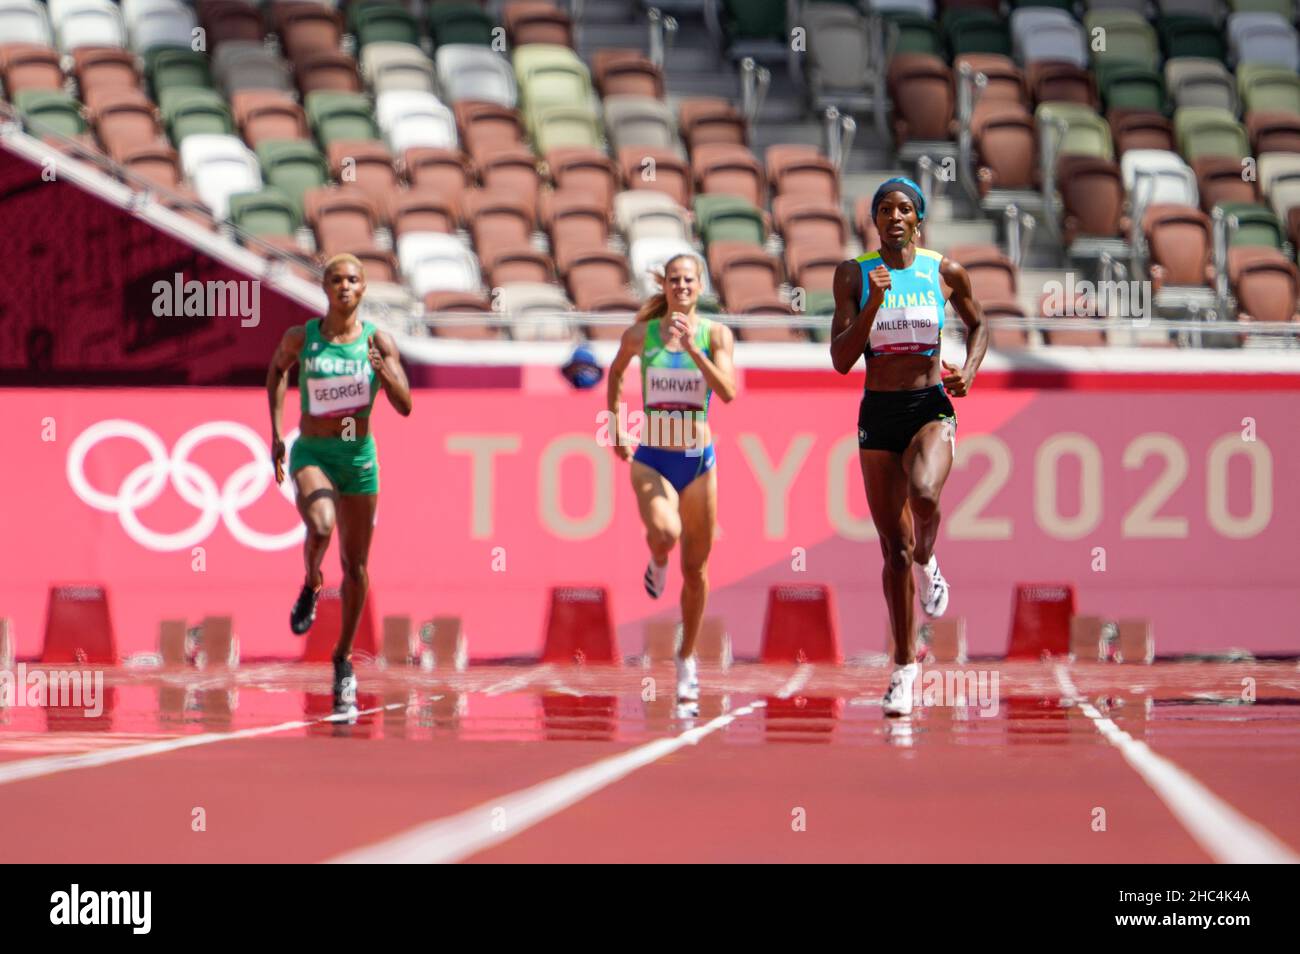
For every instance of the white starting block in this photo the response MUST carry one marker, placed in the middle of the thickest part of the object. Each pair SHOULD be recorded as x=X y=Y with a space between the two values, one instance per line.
x=445 y=644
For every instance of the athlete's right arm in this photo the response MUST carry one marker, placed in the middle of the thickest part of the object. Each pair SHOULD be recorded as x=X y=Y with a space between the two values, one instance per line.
x=628 y=347
x=851 y=328
x=277 y=381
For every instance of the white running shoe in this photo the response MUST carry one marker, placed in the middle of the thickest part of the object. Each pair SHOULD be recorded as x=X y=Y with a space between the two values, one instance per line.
x=898 y=698
x=688 y=680
x=656 y=575
x=934 y=589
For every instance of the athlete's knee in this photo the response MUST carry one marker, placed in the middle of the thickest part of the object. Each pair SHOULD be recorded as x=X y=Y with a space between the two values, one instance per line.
x=320 y=521
x=923 y=499
x=355 y=571
x=897 y=553
x=662 y=537
x=695 y=571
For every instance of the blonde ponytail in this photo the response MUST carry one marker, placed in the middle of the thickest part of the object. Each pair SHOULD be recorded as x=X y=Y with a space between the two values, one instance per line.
x=657 y=305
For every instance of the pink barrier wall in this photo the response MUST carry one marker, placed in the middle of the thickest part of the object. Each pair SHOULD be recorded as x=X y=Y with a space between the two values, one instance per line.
x=489 y=497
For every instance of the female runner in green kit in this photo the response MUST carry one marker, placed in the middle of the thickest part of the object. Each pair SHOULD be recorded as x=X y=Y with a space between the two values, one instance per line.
x=334 y=464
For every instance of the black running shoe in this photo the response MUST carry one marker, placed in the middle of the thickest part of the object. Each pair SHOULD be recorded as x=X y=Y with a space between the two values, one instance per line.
x=303 y=613
x=345 y=688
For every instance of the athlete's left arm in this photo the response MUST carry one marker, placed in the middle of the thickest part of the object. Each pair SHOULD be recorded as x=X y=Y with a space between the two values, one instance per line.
x=721 y=371
x=388 y=368
x=958 y=381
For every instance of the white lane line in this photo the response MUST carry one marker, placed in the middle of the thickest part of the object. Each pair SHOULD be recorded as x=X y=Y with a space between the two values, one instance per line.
x=24 y=769
x=518 y=682
x=797 y=681
x=457 y=837
x=1227 y=836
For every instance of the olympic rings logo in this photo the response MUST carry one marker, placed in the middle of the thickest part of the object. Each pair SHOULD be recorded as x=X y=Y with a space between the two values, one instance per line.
x=145 y=484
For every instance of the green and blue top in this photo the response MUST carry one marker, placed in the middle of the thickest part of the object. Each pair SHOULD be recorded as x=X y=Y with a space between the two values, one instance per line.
x=670 y=380
x=910 y=319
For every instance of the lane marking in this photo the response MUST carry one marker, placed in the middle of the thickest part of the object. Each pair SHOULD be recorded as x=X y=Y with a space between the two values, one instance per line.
x=24 y=769
x=1225 y=834
x=457 y=837
x=796 y=682
x=518 y=682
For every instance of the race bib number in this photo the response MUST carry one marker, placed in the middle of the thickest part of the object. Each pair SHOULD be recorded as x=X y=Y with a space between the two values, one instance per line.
x=330 y=397
x=905 y=330
x=675 y=388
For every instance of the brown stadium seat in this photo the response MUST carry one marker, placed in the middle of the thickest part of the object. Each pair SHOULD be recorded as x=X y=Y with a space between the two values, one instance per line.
x=533 y=21
x=993 y=277
x=101 y=67
x=662 y=170
x=263 y=114
x=779 y=333
x=226 y=20
x=1265 y=283
x=125 y=119
x=1052 y=81
x=1006 y=83
x=802 y=170
x=421 y=210
x=709 y=119
x=920 y=87
x=598 y=280
x=584 y=170
x=626 y=73
x=443 y=170
x=485 y=127
x=288 y=244
x=1219 y=179
x=380 y=264
x=459 y=302
x=1179 y=240
x=1081 y=337
x=156 y=161
x=369 y=166
x=326 y=69
x=746 y=276
x=497 y=221
x=812 y=267
x=1093 y=194
x=1140 y=129
x=807 y=221
x=520 y=263
x=729 y=169
x=1273 y=131
x=306 y=27
x=1005 y=339
x=1007 y=147
x=576 y=223
x=511 y=169
x=343 y=218
x=26 y=66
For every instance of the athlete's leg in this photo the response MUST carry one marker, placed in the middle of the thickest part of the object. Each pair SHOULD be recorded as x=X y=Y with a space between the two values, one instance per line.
x=356 y=527
x=657 y=501
x=316 y=501
x=699 y=513
x=927 y=463
x=886 y=485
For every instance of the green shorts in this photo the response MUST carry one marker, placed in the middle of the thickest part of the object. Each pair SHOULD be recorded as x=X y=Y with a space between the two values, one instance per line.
x=351 y=466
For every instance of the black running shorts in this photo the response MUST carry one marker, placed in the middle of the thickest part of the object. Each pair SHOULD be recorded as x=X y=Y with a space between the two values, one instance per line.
x=888 y=420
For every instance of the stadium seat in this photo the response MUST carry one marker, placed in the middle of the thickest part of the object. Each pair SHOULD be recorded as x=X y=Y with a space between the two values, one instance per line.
x=124 y=119
x=576 y=223
x=1263 y=38
x=1265 y=87
x=156 y=162
x=729 y=169
x=293 y=166
x=644 y=214
x=382 y=24
x=1092 y=192
x=343 y=217
x=913 y=33
x=368 y=165
x=104 y=68
x=52 y=111
x=511 y=169
x=1169 y=180
x=1273 y=132
x=422 y=210
x=535 y=305
x=240 y=65
x=442 y=170
x=809 y=221
x=728 y=218
x=462 y=302
x=29 y=66
x=188 y=111
x=336 y=117
x=838 y=62
x=921 y=89
x=227 y=20
x=326 y=70
x=1006 y=143
x=1129 y=37
x=176 y=69
x=1086 y=134
x=518 y=263
x=1042 y=33
x=1256 y=225
x=1207 y=131
x=1265 y=285
x=161 y=24
x=1133 y=88
x=641 y=121
x=584 y=170
x=268 y=114
x=1196 y=81
x=26 y=21
x=268 y=212
x=486 y=127
x=307 y=28
x=648 y=256
x=659 y=170
x=626 y=73
x=802 y=170
x=536 y=21
x=1219 y=179
x=1178 y=239
x=565 y=127
x=409 y=118
x=391 y=66
x=460 y=24
x=219 y=166
x=434 y=262
x=470 y=72
x=705 y=120
x=89 y=23
x=1005 y=83
x=1141 y=130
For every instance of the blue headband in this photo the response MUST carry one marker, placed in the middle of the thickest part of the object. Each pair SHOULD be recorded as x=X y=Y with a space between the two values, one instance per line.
x=905 y=186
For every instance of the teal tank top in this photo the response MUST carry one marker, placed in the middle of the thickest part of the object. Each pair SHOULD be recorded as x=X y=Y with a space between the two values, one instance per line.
x=336 y=380
x=670 y=381
x=910 y=320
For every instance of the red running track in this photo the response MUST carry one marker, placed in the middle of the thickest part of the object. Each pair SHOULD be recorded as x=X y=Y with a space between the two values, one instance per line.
x=1175 y=762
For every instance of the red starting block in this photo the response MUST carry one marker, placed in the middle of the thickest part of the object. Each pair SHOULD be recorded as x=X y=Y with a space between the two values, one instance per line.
x=800 y=625
x=324 y=633
x=78 y=627
x=1040 y=621
x=580 y=627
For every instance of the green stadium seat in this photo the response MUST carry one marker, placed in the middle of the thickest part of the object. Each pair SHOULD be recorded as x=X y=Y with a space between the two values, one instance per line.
x=564 y=126
x=916 y=33
x=1256 y=225
x=550 y=75
x=187 y=110
x=1191 y=36
x=1209 y=131
x=169 y=67
x=754 y=20
x=1128 y=36
x=382 y=24
x=1087 y=134
x=459 y=23
x=975 y=31
x=728 y=218
x=269 y=212
x=337 y=117
x=1128 y=86
x=1265 y=86
x=293 y=166
x=54 y=110
x=1066 y=5
x=1283 y=8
